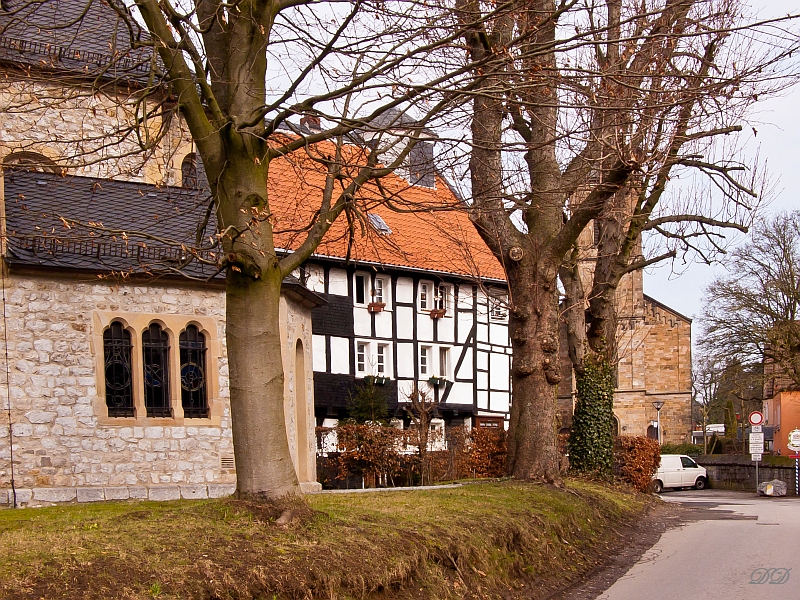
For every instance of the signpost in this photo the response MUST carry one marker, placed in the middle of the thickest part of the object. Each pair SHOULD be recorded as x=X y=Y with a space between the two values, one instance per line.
x=794 y=446
x=757 y=440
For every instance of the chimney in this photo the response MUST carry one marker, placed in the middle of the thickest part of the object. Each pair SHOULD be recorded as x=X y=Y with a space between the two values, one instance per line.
x=312 y=123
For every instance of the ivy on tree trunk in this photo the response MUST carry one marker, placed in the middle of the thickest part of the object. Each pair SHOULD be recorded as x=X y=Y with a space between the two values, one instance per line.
x=590 y=442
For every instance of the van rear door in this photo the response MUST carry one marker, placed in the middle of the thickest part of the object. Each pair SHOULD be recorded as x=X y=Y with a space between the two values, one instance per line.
x=672 y=471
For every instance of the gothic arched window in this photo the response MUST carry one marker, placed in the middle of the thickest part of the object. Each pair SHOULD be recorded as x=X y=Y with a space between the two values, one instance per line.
x=30 y=161
x=155 y=351
x=194 y=398
x=119 y=383
x=193 y=174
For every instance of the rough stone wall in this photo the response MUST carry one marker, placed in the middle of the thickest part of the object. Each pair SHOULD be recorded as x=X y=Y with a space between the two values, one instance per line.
x=88 y=133
x=59 y=439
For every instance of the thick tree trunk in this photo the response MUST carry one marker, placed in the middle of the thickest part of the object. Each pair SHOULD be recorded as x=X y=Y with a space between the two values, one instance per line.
x=532 y=443
x=264 y=465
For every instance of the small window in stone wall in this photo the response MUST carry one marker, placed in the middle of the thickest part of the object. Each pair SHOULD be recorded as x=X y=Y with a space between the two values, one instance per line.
x=155 y=350
x=193 y=373
x=119 y=383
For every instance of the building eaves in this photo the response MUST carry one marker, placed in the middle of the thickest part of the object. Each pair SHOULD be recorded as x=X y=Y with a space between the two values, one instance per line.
x=667 y=308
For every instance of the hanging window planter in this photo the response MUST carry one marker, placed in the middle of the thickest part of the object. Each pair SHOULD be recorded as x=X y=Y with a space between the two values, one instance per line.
x=376 y=307
x=437 y=381
x=381 y=380
x=438 y=313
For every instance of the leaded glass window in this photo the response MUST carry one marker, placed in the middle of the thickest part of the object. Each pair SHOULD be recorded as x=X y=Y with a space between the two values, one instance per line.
x=155 y=350
x=194 y=399
x=119 y=383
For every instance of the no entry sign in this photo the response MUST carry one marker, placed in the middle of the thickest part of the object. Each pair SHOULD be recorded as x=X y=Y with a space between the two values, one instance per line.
x=756 y=418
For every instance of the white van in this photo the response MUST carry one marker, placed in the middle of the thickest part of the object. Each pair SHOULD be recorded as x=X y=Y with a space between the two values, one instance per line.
x=679 y=471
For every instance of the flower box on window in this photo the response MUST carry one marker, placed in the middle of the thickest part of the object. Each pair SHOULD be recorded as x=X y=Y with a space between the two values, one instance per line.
x=438 y=313
x=376 y=307
x=437 y=381
x=381 y=380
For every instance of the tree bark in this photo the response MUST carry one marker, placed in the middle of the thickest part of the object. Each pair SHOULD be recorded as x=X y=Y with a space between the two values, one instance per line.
x=532 y=442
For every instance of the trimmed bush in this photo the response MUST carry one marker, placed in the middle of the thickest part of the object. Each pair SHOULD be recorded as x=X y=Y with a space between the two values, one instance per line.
x=636 y=460
x=689 y=449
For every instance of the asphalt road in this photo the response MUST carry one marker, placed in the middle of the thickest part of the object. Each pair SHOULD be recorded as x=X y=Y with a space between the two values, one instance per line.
x=735 y=546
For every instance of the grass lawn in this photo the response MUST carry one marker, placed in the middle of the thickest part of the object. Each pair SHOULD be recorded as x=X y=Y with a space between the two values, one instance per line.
x=482 y=540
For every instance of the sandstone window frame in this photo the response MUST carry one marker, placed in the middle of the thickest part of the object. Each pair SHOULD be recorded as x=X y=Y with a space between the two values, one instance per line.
x=173 y=325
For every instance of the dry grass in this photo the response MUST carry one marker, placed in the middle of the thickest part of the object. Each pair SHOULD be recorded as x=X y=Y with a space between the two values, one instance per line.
x=482 y=540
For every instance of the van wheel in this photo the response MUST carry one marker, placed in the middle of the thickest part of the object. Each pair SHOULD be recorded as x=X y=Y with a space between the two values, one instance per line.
x=658 y=487
x=700 y=484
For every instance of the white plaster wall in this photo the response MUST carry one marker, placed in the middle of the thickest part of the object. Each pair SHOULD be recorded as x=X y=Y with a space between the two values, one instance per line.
x=315 y=278
x=464 y=326
x=318 y=346
x=482 y=332
x=446 y=330
x=499 y=402
x=483 y=399
x=465 y=371
x=362 y=321
x=405 y=322
x=498 y=334
x=337 y=282
x=405 y=289
x=499 y=371
x=383 y=324
x=424 y=327
x=405 y=360
x=461 y=393
x=340 y=355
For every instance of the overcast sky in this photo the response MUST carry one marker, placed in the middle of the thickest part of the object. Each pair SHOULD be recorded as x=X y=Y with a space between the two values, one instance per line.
x=778 y=143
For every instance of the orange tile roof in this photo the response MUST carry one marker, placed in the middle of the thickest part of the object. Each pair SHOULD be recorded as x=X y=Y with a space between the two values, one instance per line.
x=424 y=234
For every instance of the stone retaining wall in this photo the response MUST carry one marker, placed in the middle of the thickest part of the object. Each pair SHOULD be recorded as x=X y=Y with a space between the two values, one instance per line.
x=58 y=495
x=739 y=473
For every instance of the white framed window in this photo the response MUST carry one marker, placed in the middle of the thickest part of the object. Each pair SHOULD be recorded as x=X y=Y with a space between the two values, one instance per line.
x=424 y=360
x=361 y=357
x=425 y=289
x=360 y=288
x=377 y=290
x=498 y=306
x=382 y=363
x=441 y=300
x=444 y=362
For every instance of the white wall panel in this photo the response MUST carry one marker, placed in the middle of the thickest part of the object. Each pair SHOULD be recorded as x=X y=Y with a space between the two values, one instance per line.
x=405 y=322
x=499 y=401
x=483 y=400
x=483 y=360
x=405 y=289
x=465 y=372
x=498 y=334
x=404 y=390
x=499 y=371
x=337 y=282
x=316 y=279
x=464 y=326
x=483 y=381
x=483 y=333
x=446 y=330
x=424 y=327
x=362 y=322
x=465 y=297
x=383 y=324
x=461 y=393
x=318 y=352
x=340 y=355
x=405 y=360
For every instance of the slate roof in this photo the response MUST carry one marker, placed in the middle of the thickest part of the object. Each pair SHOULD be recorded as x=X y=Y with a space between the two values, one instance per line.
x=37 y=235
x=83 y=37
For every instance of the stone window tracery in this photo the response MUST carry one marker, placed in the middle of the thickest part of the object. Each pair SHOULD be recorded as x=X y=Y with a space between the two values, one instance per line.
x=118 y=375
x=155 y=350
x=194 y=397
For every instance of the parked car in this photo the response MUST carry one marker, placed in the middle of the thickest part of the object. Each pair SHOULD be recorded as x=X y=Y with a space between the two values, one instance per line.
x=679 y=471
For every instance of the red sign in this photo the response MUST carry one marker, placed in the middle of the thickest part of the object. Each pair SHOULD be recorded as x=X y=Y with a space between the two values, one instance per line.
x=756 y=418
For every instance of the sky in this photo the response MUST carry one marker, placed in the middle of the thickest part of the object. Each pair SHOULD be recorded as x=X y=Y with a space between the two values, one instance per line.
x=777 y=121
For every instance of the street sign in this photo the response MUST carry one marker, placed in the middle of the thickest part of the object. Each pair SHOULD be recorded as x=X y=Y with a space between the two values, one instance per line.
x=756 y=418
x=794 y=440
x=757 y=449
x=756 y=457
x=756 y=438
x=756 y=429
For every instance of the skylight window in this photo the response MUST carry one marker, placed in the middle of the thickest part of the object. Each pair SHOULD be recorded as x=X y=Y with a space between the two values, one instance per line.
x=379 y=224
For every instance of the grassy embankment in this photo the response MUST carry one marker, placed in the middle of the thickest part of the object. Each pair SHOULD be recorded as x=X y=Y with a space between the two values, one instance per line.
x=486 y=540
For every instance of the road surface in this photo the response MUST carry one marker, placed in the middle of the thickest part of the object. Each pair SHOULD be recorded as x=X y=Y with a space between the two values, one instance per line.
x=735 y=546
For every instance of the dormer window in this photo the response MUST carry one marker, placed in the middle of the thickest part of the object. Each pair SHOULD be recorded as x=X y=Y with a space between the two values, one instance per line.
x=379 y=224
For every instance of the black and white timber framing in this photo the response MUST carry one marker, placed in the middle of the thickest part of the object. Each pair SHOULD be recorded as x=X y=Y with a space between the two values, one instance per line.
x=468 y=346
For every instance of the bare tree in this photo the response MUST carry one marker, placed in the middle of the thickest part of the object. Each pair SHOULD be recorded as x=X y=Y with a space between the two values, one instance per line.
x=421 y=409
x=586 y=112
x=751 y=313
x=227 y=79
